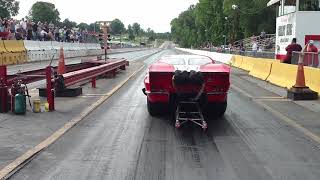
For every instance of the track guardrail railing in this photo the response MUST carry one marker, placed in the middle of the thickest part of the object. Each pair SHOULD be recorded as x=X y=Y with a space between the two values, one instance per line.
x=310 y=59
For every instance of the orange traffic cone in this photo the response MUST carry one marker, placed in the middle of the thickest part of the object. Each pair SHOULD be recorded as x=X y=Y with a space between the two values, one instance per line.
x=300 y=91
x=61 y=65
x=300 y=80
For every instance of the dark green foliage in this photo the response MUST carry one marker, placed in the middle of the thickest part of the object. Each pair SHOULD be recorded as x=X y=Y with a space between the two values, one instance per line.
x=131 y=33
x=83 y=26
x=8 y=8
x=210 y=20
x=136 y=29
x=117 y=27
x=44 y=12
x=68 y=24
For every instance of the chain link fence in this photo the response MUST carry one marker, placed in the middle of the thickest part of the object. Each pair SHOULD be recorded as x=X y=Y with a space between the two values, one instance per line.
x=310 y=59
x=257 y=54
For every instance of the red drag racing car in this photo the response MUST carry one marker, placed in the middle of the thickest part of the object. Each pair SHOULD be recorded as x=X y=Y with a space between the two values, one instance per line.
x=178 y=79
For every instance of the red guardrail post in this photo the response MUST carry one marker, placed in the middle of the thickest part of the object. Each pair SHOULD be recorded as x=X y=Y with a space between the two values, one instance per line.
x=3 y=90
x=123 y=67
x=50 y=90
x=3 y=74
x=114 y=73
x=93 y=82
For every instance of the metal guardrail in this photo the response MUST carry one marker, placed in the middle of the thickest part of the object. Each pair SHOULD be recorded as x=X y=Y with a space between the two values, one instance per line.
x=262 y=54
x=310 y=59
x=39 y=74
x=93 y=72
x=267 y=42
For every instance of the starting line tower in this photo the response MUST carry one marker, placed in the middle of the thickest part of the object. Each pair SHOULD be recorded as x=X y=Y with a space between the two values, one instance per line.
x=296 y=19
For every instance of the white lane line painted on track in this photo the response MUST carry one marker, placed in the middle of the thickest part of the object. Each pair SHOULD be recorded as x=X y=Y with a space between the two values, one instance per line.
x=18 y=163
x=279 y=115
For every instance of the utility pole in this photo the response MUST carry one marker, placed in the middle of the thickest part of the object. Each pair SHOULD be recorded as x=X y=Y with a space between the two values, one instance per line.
x=225 y=40
x=236 y=22
x=121 y=39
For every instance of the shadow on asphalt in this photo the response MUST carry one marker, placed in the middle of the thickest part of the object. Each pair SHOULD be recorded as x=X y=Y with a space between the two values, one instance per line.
x=217 y=126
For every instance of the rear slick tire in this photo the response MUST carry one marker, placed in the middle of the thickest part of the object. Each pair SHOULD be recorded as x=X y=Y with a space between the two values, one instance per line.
x=221 y=109
x=216 y=109
x=154 y=109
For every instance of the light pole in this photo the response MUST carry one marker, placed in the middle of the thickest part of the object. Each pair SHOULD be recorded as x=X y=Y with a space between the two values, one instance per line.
x=226 y=22
x=120 y=39
x=234 y=7
x=105 y=32
x=206 y=36
x=226 y=29
x=236 y=22
x=94 y=26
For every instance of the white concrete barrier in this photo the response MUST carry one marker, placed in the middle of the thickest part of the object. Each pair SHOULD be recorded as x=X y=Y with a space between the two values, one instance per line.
x=82 y=46
x=220 y=57
x=74 y=46
x=88 y=46
x=56 y=45
x=34 y=56
x=93 y=46
x=95 y=52
x=68 y=54
x=45 y=45
x=32 y=45
x=81 y=53
x=47 y=50
x=67 y=46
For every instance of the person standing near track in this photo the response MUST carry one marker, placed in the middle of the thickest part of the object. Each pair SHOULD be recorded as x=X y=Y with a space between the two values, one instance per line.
x=311 y=58
x=254 y=48
x=293 y=47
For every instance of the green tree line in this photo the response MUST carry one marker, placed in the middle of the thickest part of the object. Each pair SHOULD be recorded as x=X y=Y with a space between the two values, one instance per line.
x=214 y=20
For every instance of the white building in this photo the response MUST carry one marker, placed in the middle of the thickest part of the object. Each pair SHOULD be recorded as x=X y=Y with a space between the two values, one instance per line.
x=296 y=19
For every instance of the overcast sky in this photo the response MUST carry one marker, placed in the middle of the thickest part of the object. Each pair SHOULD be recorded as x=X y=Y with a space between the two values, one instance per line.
x=156 y=14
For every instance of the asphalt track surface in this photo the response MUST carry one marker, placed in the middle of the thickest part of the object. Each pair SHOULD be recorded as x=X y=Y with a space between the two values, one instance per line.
x=119 y=140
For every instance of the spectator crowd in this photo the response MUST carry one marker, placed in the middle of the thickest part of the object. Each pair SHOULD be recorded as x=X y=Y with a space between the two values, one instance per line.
x=11 y=29
x=253 y=44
